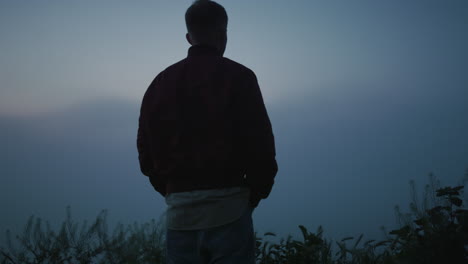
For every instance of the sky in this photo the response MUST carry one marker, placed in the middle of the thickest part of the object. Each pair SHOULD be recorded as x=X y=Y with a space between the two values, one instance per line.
x=364 y=96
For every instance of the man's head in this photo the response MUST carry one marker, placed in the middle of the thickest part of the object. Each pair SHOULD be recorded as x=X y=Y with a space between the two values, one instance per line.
x=207 y=24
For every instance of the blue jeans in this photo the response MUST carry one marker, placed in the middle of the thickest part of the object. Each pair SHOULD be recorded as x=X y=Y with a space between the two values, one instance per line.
x=232 y=243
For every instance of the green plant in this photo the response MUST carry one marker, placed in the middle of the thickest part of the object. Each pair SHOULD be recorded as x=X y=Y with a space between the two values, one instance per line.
x=434 y=231
x=434 y=235
x=312 y=249
x=85 y=244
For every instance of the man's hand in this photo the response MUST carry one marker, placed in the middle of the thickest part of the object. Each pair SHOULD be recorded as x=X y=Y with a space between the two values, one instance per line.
x=254 y=199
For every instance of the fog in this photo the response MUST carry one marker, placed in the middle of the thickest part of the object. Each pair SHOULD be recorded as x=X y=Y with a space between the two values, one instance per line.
x=364 y=96
x=343 y=164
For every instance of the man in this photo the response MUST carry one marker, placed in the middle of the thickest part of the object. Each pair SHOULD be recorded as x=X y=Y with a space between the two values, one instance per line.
x=205 y=141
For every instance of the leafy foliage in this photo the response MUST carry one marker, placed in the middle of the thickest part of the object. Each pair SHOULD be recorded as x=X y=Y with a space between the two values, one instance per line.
x=313 y=249
x=435 y=231
x=85 y=244
x=436 y=235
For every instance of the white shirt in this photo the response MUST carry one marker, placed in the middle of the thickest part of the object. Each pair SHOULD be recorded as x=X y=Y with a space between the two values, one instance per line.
x=202 y=209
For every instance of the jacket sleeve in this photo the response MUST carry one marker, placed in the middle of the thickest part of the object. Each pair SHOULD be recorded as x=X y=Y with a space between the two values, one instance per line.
x=145 y=155
x=258 y=140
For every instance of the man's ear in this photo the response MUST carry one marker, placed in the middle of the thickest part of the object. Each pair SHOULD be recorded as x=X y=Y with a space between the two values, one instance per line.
x=189 y=39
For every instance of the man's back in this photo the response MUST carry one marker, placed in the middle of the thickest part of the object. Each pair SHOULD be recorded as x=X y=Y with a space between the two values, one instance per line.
x=207 y=126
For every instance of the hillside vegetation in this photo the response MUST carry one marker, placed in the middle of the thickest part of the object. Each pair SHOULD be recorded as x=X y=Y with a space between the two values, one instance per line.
x=435 y=231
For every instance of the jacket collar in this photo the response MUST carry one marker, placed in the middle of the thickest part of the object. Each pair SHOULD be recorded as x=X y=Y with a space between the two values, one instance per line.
x=203 y=50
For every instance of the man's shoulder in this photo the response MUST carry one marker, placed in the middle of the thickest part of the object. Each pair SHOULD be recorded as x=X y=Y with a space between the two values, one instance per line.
x=228 y=64
x=238 y=66
x=173 y=67
x=168 y=72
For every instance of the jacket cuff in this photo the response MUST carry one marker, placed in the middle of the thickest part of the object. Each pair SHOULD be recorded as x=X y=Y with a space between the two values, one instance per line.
x=158 y=185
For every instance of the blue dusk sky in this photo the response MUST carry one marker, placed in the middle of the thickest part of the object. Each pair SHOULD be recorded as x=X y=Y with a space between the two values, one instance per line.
x=364 y=96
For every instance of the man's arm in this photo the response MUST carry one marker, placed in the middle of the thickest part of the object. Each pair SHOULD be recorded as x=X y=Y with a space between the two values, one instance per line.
x=144 y=153
x=258 y=139
x=145 y=156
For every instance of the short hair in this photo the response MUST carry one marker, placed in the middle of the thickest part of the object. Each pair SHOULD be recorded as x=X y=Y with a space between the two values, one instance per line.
x=205 y=16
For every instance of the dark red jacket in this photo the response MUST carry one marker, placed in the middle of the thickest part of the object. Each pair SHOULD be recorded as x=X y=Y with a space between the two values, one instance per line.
x=203 y=125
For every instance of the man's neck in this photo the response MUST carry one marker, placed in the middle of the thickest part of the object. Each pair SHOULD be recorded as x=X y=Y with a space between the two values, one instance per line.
x=204 y=50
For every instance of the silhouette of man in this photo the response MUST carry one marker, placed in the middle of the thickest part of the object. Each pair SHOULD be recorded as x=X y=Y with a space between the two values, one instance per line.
x=205 y=141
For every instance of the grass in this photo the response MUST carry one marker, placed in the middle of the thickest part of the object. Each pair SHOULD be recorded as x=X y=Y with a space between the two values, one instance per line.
x=434 y=231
